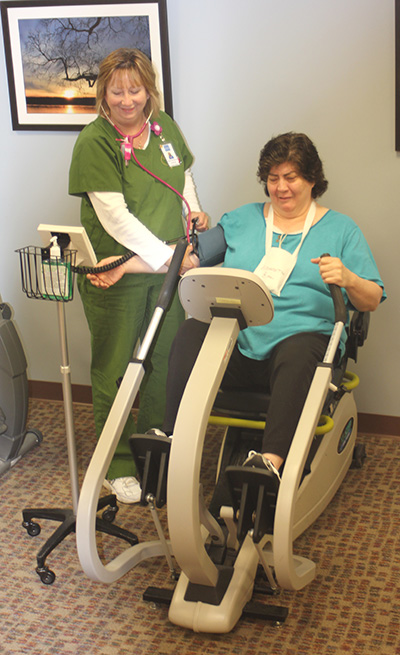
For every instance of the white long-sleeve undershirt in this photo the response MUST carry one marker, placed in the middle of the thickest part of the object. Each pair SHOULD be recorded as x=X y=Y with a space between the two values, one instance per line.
x=116 y=219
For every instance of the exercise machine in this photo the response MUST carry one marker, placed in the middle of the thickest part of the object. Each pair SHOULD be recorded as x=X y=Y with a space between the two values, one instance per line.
x=220 y=552
x=15 y=438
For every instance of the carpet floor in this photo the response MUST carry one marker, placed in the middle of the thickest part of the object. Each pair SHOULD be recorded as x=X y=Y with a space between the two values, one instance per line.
x=352 y=606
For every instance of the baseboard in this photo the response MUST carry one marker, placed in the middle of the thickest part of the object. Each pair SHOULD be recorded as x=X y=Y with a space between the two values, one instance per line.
x=81 y=393
x=379 y=424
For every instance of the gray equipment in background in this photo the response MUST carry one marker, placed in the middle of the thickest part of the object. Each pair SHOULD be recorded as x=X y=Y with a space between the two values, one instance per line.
x=15 y=439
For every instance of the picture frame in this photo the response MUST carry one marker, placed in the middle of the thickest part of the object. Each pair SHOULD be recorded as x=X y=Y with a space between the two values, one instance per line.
x=53 y=49
x=397 y=69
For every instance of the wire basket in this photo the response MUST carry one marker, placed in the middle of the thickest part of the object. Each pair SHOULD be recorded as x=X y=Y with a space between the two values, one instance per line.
x=47 y=278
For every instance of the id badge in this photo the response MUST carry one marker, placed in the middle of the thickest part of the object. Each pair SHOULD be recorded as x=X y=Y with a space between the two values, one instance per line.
x=170 y=155
x=275 y=268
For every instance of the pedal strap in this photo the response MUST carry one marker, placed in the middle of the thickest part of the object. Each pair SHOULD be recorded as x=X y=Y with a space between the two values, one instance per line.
x=254 y=492
x=151 y=455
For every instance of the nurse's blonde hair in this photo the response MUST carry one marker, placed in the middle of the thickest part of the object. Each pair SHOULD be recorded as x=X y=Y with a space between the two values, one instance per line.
x=139 y=67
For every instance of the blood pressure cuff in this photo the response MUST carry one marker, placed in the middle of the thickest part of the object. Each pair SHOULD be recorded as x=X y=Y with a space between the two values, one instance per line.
x=212 y=246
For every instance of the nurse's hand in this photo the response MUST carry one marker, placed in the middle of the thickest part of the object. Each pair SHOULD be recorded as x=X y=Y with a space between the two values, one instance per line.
x=107 y=279
x=201 y=222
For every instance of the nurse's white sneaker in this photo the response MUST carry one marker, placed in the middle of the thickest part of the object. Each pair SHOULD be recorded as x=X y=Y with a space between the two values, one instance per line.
x=127 y=490
x=157 y=433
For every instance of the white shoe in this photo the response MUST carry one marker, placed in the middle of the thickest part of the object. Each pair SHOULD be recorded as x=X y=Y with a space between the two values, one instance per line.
x=157 y=433
x=127 y=490
x=257 y=460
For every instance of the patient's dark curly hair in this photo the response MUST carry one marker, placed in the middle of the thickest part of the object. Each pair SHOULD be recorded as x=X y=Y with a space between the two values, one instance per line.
x=298 y=149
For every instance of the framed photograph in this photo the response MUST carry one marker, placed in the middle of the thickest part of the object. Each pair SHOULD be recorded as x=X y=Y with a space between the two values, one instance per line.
x=397 y=46
x=53 y=50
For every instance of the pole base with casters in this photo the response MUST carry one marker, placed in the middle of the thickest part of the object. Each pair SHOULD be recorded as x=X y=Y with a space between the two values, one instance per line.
x=67 y=518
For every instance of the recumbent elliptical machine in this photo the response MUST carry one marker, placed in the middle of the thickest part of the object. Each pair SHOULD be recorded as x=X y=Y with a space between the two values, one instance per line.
x=250 y=529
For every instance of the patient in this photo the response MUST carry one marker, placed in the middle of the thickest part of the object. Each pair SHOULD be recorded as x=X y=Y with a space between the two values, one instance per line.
x=281 y=240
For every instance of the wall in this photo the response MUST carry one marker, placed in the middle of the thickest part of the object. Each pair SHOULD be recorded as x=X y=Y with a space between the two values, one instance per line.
x=241 y=72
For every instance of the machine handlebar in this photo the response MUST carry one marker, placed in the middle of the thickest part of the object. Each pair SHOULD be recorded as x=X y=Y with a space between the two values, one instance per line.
x=338 y=300
x=172 y=275
x=338 y=303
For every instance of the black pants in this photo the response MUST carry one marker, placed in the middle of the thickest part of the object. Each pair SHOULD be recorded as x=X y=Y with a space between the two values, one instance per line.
x=286 y=376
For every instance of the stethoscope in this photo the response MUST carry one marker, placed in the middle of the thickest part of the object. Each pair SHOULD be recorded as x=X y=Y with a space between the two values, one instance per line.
x=127 y=141
x=128 y=151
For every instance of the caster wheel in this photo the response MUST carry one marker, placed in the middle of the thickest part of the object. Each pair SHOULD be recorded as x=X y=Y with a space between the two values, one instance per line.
x=109 y=514
x=33 y=529
x=46 y=576
x=37 y=434
x=359 y=456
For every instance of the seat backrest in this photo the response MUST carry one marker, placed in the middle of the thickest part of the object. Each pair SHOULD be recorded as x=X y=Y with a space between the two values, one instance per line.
x=357 y=333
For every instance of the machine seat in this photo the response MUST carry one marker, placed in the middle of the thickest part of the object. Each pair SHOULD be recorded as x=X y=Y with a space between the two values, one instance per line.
x=253 y=403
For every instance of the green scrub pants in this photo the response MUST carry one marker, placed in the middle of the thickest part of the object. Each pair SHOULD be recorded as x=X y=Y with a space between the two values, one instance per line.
x=118 y=317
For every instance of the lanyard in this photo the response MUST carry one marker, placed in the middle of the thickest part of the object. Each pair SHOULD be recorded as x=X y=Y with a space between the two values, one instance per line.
x=128 y=151
x=270 y=227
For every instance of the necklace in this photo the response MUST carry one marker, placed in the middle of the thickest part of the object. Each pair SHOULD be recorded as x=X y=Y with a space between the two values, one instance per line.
x=140 y=140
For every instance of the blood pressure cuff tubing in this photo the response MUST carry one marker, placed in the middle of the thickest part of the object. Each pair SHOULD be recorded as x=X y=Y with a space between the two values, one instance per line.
x=212 y=246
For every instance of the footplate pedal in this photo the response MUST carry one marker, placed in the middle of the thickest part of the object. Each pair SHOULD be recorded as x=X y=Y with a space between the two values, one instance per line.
x=151 y=455
x=254 y=494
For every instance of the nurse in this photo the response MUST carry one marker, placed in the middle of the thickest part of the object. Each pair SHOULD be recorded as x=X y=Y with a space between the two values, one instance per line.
x=126 y=208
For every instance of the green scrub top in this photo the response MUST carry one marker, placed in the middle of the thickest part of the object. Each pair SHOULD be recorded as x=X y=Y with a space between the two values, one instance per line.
x=98 y=165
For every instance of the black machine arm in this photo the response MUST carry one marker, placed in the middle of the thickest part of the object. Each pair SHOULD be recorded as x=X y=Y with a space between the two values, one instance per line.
x=359 y=324
x=338 y=300
x=338 y=303
x=172 y=274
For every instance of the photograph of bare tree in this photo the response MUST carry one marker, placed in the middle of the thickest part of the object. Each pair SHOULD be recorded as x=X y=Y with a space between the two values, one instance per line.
x=60 y=58
x=53 y=52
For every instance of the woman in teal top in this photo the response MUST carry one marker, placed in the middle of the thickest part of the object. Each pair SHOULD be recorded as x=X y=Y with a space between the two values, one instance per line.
x=306 y=296
x=123 y=208
x=282 y=242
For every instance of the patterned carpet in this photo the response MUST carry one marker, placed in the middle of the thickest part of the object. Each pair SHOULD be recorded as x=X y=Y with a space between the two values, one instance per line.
x=353 y=605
